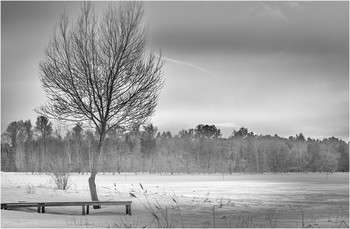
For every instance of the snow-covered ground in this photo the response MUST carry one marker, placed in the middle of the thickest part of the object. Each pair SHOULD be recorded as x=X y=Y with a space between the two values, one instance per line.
x=260 y=200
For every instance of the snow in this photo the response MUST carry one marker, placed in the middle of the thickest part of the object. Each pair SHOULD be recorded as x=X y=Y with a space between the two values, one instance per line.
x=238 y=200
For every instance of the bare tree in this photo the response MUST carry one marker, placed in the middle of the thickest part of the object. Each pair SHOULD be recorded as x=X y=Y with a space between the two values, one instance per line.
x=89 y=138
x=43 y=127
x=98 y=74
x=77 y=138
x=28 y=143
x=12 y=134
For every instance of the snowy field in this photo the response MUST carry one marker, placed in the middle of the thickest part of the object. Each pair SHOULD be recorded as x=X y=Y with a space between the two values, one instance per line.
x=260 y=200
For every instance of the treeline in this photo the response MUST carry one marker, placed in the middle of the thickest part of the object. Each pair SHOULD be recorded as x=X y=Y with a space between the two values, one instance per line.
x=40 y=148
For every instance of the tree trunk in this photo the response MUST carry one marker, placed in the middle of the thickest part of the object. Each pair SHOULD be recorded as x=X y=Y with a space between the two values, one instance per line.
x=95 y=165
x=43 y=161
x=26 y=156
x=257 y=158
x=89 y=156
x=92 y=186
x=69 y=156
x=40 y=158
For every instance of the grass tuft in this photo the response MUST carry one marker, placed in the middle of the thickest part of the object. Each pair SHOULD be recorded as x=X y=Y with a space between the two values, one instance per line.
x=31 y=189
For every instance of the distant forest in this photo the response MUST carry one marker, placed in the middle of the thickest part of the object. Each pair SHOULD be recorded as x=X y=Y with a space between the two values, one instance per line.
x=40 y=148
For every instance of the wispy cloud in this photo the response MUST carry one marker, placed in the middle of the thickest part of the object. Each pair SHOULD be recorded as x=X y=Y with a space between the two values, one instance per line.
x=267 y=10
x=226 y=125
x=187 y=64
x=295 y=5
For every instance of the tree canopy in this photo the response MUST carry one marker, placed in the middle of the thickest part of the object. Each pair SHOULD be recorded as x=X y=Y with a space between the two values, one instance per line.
x=96 y=72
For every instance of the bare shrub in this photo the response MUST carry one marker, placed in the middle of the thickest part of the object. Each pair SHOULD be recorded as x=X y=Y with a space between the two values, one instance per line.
x=60 y=174
x=31 y=189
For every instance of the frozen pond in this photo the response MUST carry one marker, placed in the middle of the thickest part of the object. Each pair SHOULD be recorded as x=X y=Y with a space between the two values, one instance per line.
x=238 y=200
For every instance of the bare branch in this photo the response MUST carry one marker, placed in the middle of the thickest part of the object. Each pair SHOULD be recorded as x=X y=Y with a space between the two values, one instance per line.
x=97 y=73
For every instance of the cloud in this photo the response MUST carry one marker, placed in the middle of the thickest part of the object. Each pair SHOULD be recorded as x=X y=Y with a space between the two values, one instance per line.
x=295 y=5
x=187 y=64
x=226 y=125
x=266 y=10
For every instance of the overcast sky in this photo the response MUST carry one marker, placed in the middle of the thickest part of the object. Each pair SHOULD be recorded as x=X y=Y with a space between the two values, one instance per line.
x=273 y=67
